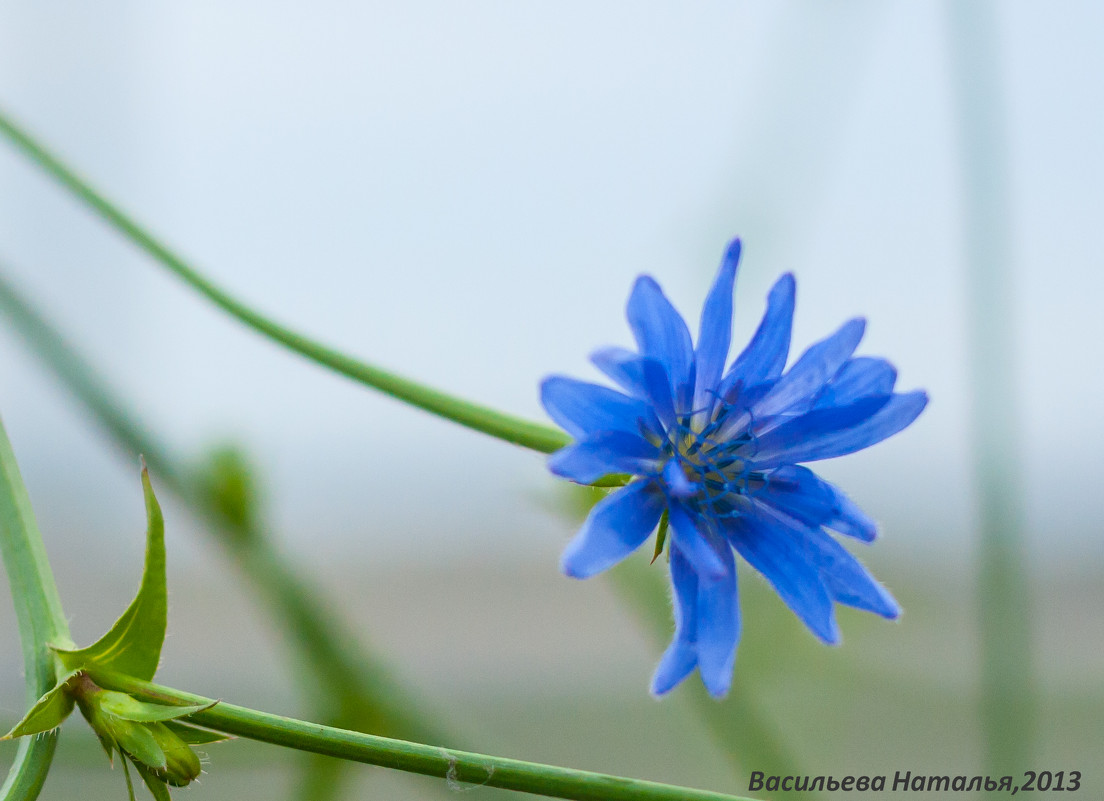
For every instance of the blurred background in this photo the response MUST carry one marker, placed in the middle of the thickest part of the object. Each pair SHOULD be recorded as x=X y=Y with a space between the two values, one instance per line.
x=464 y=193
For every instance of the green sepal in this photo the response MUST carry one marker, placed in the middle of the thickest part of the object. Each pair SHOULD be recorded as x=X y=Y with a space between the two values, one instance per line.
x=133 y=645
x=137 y=741
x=123 y=706
x=193 y=735
x=156 y=785
x=661 y=536
x=182 y=765
x=108 y=745
x=47 y=713
x=612 y=480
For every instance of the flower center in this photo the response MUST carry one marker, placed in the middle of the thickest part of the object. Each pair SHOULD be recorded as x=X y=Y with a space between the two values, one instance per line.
x=712 y=463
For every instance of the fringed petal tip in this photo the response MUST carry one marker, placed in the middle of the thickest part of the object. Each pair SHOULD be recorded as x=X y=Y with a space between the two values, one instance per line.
x=678 y=662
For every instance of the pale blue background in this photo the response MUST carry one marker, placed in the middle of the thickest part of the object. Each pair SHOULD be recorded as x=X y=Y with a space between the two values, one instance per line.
x=465 y=192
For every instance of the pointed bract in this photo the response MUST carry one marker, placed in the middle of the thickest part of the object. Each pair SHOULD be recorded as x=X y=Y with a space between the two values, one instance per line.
x=123 y=706
x=193 y=735
x=133 y=644
x=47 y=713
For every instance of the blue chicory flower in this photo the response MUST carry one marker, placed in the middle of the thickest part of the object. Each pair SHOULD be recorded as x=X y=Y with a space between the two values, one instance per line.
x=715 y=454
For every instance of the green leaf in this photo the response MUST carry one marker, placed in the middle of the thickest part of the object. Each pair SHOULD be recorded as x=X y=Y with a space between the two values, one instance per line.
x=133 y=645
x=194 y=735
x=48 y=713
x=123 y=706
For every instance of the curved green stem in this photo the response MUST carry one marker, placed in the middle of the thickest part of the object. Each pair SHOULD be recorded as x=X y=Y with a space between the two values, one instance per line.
x=481 y=418
x=347 y=675
x=454 y=766
x=38 y=610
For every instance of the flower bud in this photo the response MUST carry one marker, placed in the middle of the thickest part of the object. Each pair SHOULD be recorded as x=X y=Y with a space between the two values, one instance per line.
x=181 y=763
x=135 y=728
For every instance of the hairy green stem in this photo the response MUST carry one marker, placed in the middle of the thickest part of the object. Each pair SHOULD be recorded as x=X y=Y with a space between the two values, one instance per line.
x=38 y=611
x=454 y=766
x=355 y=683
x=526 y=433
x=1008 y=691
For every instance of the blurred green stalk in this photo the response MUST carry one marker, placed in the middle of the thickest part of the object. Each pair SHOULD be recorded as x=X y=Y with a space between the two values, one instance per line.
x=1008 y=694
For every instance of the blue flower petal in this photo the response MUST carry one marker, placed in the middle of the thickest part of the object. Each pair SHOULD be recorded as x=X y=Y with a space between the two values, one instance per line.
x=623 y=366
x=602 y=454
x=718 y=627
x=715 y=334
x=581 y=408
x=811 y=371
x=678 y=661
x=696 y=543
x=740 y=399
x=802 y=494
x=657 y=384
x=707 y=627
x=678 y=485
x=681 y=656
x=793 y=393
x=799 y=493
x=661 y=334
x=896 y=414
x=775 y=550
x=776 y=446
x=860 y=377
x=850 y=519
x=616 y=527
x=846 y=579
x=765 y=356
